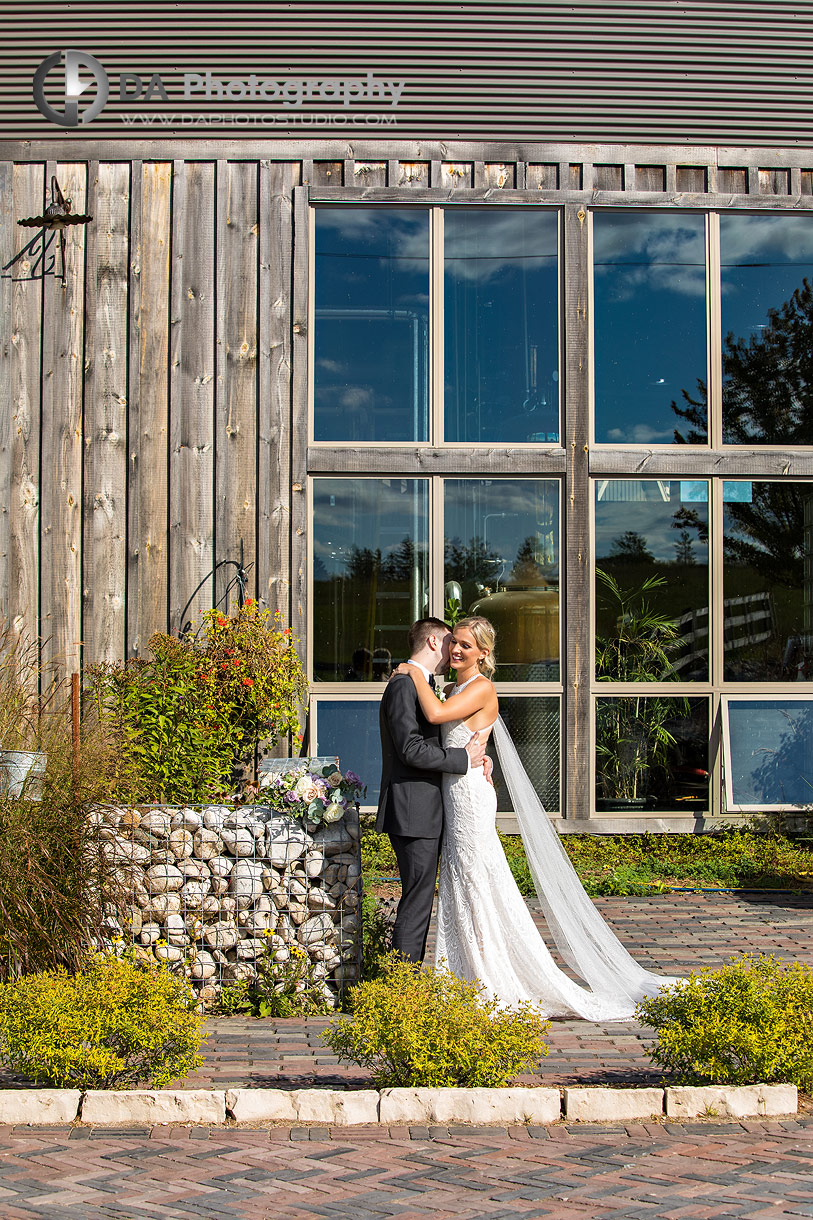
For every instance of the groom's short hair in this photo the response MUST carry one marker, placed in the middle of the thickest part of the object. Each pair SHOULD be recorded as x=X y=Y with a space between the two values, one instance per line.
x=421 y=630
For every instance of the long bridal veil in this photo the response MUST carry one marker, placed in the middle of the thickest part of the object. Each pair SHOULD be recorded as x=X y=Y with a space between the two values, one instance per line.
x=585 y=941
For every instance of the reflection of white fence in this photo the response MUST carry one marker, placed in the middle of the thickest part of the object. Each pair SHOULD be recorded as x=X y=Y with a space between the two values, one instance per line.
x=746 y=621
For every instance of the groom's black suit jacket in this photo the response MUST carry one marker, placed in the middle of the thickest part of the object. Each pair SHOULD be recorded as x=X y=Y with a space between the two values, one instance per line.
x=411 y=802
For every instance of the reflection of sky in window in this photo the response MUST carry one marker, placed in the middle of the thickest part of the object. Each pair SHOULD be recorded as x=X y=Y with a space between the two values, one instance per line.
x=371 y=326
x=374 y=513
x=502 y=513
x=650 y=322
x=648 y=507
x=764 y=259
x=501 y=325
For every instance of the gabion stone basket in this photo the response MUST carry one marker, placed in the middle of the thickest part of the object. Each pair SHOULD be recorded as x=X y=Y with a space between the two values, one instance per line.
x=206 y=887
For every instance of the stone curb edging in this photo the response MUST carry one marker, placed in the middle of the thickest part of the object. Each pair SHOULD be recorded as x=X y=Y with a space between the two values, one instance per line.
x=396 y=1107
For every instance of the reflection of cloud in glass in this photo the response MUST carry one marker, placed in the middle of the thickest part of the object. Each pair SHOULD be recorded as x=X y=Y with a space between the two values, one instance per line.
x=375 y=233
x=650 y=252
x=375 y=513
x=652 y=518
x=641 y=434
x=779 y=239
x=481 y=245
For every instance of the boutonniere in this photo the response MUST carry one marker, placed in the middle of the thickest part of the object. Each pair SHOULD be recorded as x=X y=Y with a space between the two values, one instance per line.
x=440 y=694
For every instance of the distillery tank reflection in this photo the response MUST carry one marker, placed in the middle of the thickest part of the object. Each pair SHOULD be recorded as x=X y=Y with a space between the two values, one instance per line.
x=527 y=624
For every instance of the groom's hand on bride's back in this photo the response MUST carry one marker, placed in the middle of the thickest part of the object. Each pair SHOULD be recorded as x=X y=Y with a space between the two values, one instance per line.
x=476 y=750
x=488 y=769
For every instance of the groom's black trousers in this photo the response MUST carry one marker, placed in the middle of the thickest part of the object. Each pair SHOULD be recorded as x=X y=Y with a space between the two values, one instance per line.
x=418 y=866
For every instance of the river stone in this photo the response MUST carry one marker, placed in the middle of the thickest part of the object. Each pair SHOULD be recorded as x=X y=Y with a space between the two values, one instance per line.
x=162 y=905
x=207 y=844
x=176 y=930
x=238 y=840
x=157 y=822
x=222 y=935
x=319 y=900
x=318 y=927
x=257 y=922
x=181 y=844
x=211 y=907
x=186 y=819
x=285 y=840
x=163 y=877
x=168 y=953
x=246 y=880
x=203 y=967
x=220 y=866
x=193 y=894
x=314 y=863
x=250 y=949
x=130 y=819
x=150 y=933
x=219 y=885
x=333 y=839
x=194 y=870
x=214 y=816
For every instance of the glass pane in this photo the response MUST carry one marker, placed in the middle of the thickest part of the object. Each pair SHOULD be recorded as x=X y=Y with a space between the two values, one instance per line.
x=370 y=574
x=652 y=753
x=768 y=581
x=501 y=325
x=534 y=727
x=767 y=266
x=350 y=729
x=771 y=751
x=652 y=583
x=371 y=330
x=501 y=560
x=650 y=328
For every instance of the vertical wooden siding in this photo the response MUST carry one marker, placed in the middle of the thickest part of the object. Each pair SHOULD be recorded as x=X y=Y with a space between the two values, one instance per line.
x=145 y=402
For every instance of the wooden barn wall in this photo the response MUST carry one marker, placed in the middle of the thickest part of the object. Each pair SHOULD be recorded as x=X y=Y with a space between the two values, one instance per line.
x=146 y=400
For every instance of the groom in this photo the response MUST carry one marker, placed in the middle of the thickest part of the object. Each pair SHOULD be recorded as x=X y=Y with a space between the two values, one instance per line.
x=410 y=808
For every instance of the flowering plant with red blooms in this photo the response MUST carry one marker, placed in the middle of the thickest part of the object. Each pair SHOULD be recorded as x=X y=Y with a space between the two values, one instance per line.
x=255 y=676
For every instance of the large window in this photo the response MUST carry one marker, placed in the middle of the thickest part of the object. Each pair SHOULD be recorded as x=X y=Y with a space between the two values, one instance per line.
x=436 y=325
x=650 y=325
x=435 y=382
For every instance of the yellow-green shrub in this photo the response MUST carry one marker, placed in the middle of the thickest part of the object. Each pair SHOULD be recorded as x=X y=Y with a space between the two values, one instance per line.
x=749 y=1022
x=112 y=1025
x=421 y=1027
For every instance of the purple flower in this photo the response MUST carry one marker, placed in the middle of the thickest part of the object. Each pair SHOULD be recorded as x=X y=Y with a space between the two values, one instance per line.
x=352 y=778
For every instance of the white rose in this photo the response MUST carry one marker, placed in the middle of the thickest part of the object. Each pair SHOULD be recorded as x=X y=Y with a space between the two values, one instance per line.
x=333 y=812
x=334 y=779
x=306 y=789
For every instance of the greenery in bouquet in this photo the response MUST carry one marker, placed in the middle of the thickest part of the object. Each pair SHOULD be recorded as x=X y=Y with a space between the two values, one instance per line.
x=314 y=793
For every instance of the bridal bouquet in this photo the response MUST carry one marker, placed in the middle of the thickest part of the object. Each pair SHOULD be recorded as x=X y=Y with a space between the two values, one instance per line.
x=314 y=794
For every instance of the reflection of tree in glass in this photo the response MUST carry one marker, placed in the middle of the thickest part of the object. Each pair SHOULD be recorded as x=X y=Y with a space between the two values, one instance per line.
x=471 y=560
x=784 y=774
x=363 y=563
x=767 y=382
x=527 y=570
x=767 y=399
x=631 y=547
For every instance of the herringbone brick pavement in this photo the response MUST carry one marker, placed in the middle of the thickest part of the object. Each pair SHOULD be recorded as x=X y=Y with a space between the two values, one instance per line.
x=692 y=1171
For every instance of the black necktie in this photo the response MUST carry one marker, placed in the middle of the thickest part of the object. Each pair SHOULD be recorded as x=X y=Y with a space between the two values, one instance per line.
x=432 y=682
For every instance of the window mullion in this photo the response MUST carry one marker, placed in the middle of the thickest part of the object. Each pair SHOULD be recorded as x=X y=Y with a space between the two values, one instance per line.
x=436 y=305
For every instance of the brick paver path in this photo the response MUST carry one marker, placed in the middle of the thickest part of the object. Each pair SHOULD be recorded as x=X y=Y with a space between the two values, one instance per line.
x=693 y=1171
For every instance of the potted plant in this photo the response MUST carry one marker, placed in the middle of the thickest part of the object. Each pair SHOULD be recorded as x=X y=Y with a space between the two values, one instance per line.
x=22 y=707
x=632 y=737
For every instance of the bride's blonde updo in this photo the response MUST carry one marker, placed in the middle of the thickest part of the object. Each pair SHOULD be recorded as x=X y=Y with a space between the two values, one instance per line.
x=484 y=636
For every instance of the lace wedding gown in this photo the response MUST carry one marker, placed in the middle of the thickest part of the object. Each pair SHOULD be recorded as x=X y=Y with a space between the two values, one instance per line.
x=484 y=928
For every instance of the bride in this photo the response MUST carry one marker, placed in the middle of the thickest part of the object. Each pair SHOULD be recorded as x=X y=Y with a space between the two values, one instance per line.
x=484 y=928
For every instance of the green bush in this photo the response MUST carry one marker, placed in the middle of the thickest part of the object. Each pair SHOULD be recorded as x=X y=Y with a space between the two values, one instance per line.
x=113 y=1025
x=377 y=855
x=750 y=1022
x=288 y=988
x=416 y=1027
x=376 y=934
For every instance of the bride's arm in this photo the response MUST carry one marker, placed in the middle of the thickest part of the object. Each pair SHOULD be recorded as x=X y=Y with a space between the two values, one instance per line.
x=456 y=707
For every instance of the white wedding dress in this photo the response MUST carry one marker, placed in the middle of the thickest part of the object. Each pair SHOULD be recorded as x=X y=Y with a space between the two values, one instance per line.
x=484 y=928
